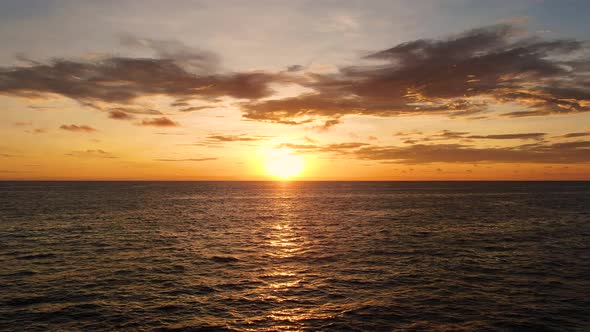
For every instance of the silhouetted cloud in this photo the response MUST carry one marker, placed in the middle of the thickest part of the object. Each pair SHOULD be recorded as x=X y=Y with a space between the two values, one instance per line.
x=459 y=76
x=159 y=122
x=78 y=128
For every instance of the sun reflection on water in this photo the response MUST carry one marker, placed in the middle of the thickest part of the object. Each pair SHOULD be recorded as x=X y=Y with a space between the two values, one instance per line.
x=286 y=245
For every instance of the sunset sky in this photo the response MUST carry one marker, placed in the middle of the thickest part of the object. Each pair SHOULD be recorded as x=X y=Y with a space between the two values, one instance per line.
x=305 y=90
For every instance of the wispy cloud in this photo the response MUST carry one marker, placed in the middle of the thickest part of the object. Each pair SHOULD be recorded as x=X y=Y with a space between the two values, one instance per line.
x=78 y=128
x=93 y=153
x=574 y=135
x=557 y=153
x=36 y=131
x=235 y=138
x=448 y=134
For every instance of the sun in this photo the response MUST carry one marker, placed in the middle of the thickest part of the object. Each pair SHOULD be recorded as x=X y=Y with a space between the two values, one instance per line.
x=282 y=163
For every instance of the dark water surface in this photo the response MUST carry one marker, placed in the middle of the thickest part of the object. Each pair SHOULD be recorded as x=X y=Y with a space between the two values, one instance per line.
x=337 y=256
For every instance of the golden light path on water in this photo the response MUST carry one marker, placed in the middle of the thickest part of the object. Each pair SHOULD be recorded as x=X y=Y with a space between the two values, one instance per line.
x=286 y=246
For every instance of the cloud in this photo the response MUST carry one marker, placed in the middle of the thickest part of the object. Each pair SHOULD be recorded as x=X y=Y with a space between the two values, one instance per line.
x=574 y=135
x=37 y=131
x=189 y=159
x=97 y=153
x=23 y=124
x=459 y=76
x=328 y=124
x=457 y=153
x=119 y=115
x=190 y=58
x=78 y=128
x=534 y=136
x=195 y=108
x=234 y=138
x=136 y=110
x=448 y=134
x=122 y=80
x=159 y=122
x=557 y=153
x=336 y=148
x=295 y=68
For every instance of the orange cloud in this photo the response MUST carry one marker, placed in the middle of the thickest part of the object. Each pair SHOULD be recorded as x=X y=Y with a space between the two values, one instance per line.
x=159 y=122
x=119 y=115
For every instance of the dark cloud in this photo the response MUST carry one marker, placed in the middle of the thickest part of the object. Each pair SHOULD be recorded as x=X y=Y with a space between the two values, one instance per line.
x=295 y=68
x=159 y=122
x=78 y=128
x=534 y=136
x=122 y=80
x=195 y=108
x=120 y=115
x=136 y=110
x=459 y=76
x=407 y=133
x=574 y=135
x=448 y=134
x=189 y=159
x=180 y=104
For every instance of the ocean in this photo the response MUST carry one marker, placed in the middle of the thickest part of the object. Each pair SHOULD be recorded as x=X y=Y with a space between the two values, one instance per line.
x=295 y=256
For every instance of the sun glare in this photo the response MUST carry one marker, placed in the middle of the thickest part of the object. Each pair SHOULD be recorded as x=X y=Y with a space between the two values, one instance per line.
x=282 y=163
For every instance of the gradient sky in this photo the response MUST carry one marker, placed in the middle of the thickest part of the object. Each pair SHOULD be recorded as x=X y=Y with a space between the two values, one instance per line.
x=361 y=90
